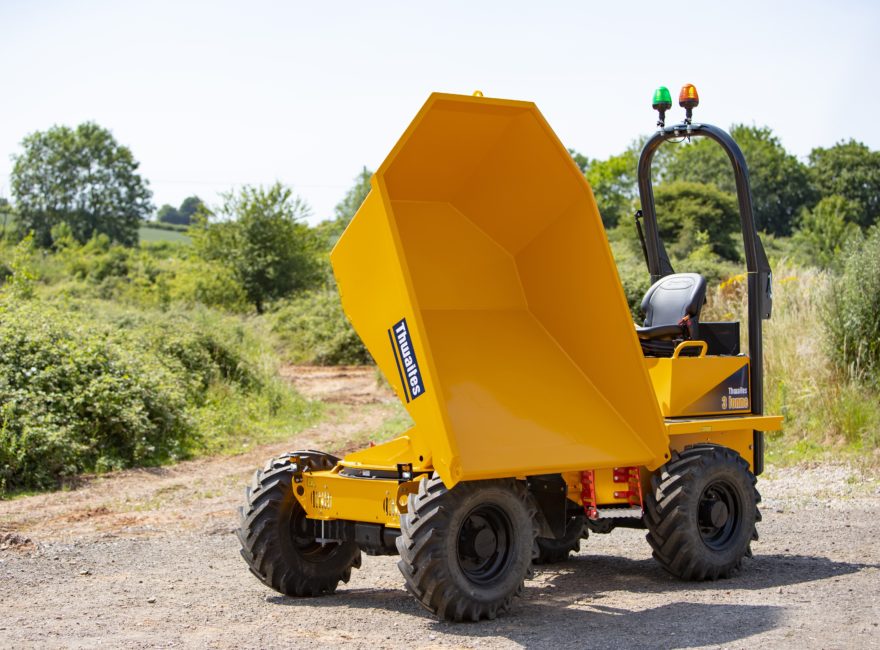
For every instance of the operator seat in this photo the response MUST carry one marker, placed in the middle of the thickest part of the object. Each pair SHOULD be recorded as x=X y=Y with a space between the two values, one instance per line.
x=672 y=313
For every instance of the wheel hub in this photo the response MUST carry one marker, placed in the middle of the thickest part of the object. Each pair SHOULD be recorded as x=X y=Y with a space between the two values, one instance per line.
x=714 y=513
x=484 y=544
x=304 y=541
x=718 y=515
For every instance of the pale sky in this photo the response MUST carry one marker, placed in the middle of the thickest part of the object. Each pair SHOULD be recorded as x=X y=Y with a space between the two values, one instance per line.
x=210 y=95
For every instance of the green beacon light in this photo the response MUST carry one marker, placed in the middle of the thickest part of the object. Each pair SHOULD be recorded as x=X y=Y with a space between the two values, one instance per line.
x=662 y=102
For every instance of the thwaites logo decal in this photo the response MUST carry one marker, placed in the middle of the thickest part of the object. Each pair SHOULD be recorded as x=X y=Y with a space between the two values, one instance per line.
x=732 y=394
x=405 y=357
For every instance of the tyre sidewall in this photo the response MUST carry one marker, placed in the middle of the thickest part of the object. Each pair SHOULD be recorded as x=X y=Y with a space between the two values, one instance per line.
x=521 y=536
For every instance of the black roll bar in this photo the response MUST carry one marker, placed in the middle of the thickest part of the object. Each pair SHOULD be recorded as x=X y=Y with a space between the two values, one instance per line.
x=760 y=295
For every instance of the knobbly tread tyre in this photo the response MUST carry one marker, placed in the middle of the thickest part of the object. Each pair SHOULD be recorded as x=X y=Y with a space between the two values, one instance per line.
x=671 y=507
x=267 y=544
x=429 y=541
x=552 y=551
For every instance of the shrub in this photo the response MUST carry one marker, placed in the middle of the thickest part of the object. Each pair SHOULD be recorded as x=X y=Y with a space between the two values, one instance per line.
x=825 y=231
x=166 y=225
x=92 y=386
x=690 y=215
x=207 y=283
x=315 y=330
x=18 y=273
x=633 y=272
x=853 y=318
x=199 y=349
x=824 y=409
x=74 y=400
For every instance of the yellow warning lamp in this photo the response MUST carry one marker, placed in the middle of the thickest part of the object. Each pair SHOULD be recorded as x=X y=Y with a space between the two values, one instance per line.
x=688 y=99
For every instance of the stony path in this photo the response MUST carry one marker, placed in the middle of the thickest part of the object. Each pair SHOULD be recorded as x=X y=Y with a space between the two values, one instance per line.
x=148 y=559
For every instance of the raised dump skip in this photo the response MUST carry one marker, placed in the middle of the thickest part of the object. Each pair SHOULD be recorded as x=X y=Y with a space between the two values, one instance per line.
x=478 y=274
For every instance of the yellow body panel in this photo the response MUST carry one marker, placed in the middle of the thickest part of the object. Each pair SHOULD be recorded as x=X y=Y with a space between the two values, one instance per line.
x=484 y=236
x=388 y=455
x=724 y=423
x=688 y=386
x=327 y=495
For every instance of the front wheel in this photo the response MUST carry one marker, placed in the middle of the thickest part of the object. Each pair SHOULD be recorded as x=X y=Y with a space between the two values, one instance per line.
x=277 y=542
x=465 y=552
x=701 y=513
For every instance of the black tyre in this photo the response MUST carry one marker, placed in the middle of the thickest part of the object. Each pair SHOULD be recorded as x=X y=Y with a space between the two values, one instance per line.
x=701 y=513
x=276 y=542
x=552 y=550
x=466 y=552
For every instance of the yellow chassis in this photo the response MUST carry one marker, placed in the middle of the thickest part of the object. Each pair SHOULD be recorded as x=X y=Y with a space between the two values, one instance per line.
x=328 y=495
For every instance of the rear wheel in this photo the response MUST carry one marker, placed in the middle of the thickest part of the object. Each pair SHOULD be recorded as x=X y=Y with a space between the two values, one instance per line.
x=277 y=542
x=465 y=552
x=552 y=550
x=701 y=513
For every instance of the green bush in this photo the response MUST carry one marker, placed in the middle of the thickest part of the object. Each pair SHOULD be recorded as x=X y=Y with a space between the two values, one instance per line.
x=199 y=282
x=75 y=400
x=825 y=231
x=853 y=317
x=200 y=351
x=166 y=225
x=314 y=330
x=701 y=259
x=155 y=275
x=89 y=386
x=633 y=271
x=696 y=214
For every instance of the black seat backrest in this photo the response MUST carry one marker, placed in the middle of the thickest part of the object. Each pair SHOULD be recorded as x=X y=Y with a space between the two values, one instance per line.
x=672 y=298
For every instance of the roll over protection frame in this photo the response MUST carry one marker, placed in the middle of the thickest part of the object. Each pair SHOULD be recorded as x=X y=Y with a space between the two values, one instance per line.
x=760 y=293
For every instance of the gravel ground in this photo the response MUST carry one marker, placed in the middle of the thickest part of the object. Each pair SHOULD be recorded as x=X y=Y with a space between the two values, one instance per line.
x=148 y=559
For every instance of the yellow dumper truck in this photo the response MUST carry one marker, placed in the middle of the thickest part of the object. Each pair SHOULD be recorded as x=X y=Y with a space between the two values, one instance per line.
x=478 y=274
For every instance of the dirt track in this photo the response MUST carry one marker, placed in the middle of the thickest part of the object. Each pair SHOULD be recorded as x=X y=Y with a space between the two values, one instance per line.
x=147 y=559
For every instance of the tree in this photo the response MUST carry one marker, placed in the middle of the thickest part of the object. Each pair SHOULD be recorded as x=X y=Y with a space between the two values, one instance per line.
x=780 y=183
x=6 y=214
x=692 y=214
x=168 y=214
x=825 y=231
x=182 y=216
x=188 y=209
x=261 y=237
x=614 y=185
x=614 y=181
x=346 y=208
x=580 y=160
x=81 y=177
x=851 y=170
x=330 y=231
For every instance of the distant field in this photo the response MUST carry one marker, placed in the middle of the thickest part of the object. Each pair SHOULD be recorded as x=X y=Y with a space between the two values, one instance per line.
x=155 y=234
x=146 y=233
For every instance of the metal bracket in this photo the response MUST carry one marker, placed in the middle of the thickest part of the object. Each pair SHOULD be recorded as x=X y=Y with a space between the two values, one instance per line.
x=404 y=472
x=588 y=494
x=405 y=490
x=310 y=461
x=632 y=477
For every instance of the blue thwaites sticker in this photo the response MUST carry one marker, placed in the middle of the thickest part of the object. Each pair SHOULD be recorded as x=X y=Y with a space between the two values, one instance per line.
x=405 y=357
